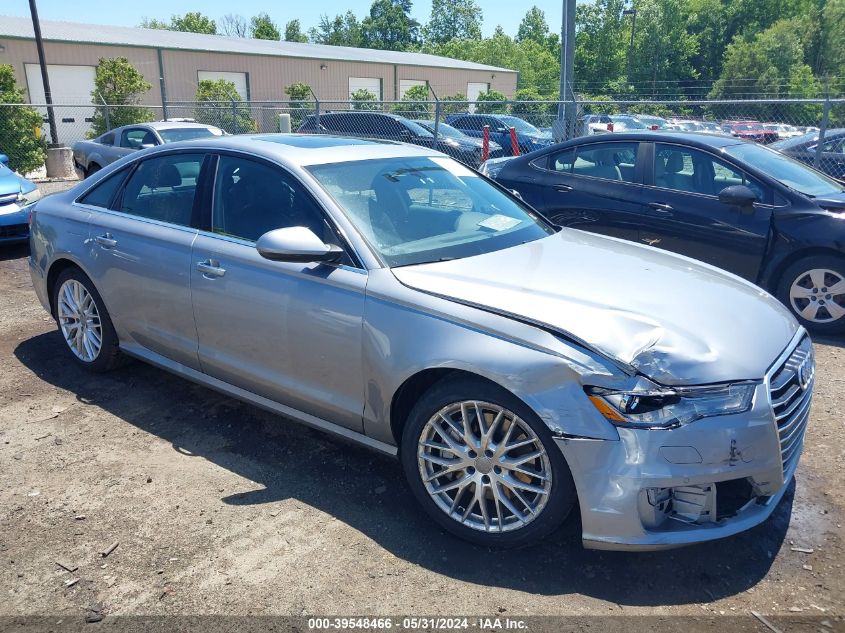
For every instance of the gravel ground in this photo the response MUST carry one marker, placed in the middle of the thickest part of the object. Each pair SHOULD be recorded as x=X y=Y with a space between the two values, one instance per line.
x=216 y=507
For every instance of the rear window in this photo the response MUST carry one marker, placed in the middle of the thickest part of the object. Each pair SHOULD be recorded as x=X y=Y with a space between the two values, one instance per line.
x=188 y=133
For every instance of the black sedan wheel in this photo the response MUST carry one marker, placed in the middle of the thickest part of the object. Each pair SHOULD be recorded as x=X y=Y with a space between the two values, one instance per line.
x=814 y=289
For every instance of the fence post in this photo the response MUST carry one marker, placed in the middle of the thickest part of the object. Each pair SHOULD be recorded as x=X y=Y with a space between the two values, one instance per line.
x=817 y=159
x=316 y=109
x=235 y=125
x=106 y=112
x=437 y=113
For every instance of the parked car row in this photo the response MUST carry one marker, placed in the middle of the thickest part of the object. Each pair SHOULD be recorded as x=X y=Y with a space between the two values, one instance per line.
x=806 y=147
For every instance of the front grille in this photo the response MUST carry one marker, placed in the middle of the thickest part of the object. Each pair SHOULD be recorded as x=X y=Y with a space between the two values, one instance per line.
x=791 y=390
x=8 y=198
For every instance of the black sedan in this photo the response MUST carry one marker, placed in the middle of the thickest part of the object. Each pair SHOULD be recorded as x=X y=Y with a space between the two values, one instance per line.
x=803 y=148
x=735 y=204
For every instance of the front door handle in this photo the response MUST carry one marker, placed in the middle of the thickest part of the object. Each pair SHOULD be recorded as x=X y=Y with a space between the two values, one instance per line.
x=659 y=206
x=106 y=241
x=562 y=188
x=211 y=269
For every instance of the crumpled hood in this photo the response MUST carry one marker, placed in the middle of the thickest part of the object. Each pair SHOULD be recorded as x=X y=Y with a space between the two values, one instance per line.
x=10 y=182
x=673 y=319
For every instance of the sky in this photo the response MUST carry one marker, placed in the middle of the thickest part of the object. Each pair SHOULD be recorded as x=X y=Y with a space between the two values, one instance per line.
x=508 y=13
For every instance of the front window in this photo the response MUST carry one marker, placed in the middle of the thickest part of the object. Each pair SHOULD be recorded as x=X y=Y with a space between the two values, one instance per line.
x=693 y=171
x=186 y=134
x=785 y=170
x=417 y=210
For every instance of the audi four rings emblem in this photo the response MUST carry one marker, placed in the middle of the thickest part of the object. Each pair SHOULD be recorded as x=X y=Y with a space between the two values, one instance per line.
x=805 y=372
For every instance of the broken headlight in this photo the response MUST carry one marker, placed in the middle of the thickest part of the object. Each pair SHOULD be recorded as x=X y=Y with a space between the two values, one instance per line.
x=651 y=406
x=25 y=198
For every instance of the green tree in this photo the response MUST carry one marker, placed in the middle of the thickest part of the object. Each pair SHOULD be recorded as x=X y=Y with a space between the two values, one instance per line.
x=363 y=99
x=415 y=103
x=342 y=30
x=532 y=106
x=533 y=26
x=453 y=19
x=454 y=104
x=218 y=103
x=389 y=26
x=192 y=22
x=663 y=49
x=600 y=40
x=120 y=85
x=300 y=104
x=20 y=126
x=491 y=102
x=263 y=28
x=293 y=32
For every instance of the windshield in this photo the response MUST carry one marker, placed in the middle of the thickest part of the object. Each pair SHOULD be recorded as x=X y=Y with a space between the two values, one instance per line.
x=416 y=128
x=521 y=126
x=172 y=135
x=789 y=172
x=416 y=210
x=443 y=129
x=629 y=122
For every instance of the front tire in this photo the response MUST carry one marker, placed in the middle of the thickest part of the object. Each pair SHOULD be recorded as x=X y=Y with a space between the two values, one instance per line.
x=484 y=466
x=813 y=289
x=84 y=322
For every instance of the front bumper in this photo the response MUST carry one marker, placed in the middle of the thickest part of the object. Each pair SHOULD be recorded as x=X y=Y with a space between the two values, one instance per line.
x=619 y=483
x=14 y=224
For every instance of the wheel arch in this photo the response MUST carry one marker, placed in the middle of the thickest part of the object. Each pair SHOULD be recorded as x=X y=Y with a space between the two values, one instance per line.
x=774 y=275
x=417 y=384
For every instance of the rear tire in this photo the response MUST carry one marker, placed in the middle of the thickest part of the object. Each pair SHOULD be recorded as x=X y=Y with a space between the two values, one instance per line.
x=467 y=479
x=84 y=322
x=813 y=289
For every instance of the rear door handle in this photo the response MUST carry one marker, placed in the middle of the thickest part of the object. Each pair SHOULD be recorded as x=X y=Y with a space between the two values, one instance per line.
x=659 y=206
x=106 y=241
x=211 y=269
x=562 y=188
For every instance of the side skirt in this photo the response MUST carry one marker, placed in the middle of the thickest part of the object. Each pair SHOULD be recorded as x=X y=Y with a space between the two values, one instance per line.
x=260 y=401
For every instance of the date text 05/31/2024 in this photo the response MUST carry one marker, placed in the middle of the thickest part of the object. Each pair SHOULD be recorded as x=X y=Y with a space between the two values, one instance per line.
x=414 y=623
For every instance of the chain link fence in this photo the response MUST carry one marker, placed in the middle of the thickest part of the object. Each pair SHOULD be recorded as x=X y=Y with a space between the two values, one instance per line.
x=811 y=130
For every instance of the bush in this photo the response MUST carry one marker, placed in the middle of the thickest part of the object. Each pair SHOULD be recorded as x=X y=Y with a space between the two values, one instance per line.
x=363 y=99
x=20 y=126
x=491 y=102
x=218 y=103
x=414 y=104
x=454 y=104
x=118 y=83
x=300 y=103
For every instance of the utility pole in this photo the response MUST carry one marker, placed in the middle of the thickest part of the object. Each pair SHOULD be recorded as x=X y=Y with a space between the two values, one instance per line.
x=42 y=61
x=566 y=110
x=633 y=13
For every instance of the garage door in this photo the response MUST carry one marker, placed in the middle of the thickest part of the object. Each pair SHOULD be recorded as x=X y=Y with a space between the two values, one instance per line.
x=69 y=85
x=407 y=84
x=373 y=84
x=473 y=90
x=241 y=80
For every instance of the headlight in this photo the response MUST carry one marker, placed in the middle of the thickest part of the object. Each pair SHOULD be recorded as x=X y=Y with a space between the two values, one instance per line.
x=26 y=198
x=655 y=407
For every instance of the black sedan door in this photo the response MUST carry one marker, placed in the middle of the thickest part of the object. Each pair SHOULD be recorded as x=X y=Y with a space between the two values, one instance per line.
x=594 y=187
x=681 y=211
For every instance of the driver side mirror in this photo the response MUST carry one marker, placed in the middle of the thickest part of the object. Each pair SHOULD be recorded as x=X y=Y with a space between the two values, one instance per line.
x=296 y=244
x=738 y=196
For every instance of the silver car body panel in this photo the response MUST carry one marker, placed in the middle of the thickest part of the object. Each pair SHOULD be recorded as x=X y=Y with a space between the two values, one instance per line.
x=332 y=346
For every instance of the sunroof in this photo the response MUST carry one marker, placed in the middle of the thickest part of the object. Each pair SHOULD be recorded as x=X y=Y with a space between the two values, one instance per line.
x=312 y=141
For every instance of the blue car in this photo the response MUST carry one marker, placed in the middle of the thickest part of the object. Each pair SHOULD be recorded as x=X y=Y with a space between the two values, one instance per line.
x=17 y=195
x=529 y=138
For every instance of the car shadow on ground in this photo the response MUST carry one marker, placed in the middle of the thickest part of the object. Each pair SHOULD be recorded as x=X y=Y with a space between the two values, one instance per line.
x=366 y=491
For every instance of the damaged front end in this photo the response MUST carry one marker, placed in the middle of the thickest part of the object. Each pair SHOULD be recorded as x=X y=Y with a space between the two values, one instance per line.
x=692 y=464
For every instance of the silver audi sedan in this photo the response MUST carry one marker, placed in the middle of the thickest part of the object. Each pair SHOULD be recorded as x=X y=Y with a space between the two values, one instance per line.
x=390 y=295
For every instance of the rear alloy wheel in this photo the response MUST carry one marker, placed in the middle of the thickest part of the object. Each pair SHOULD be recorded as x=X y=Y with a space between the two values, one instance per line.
x=814 y=289
x=84 y=322
x=485 y=468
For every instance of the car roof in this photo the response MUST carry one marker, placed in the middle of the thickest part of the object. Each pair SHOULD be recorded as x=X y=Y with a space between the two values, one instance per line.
x=163 y=125
x=691 y=138
x=304 y=149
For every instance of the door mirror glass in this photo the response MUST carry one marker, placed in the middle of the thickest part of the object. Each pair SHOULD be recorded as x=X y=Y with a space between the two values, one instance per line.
x=737 y=196
x=4 y=160
x=296 y=244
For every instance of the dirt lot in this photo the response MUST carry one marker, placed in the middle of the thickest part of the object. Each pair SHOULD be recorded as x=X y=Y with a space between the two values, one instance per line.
x=219 y=508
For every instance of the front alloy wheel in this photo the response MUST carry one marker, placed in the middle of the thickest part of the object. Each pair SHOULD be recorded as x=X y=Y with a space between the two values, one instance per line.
x=484 y=467
x=818 y=295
